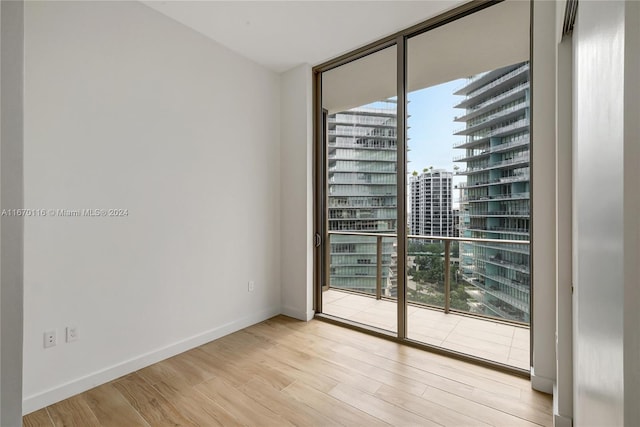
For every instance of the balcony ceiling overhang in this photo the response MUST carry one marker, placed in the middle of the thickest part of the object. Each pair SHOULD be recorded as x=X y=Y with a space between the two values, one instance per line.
x=281 y=35
x=491 y=38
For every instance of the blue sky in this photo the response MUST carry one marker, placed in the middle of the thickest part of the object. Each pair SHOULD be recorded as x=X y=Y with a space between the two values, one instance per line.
x=431 y=127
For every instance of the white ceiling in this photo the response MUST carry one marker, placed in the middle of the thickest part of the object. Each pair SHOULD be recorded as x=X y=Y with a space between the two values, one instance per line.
x=283 y=34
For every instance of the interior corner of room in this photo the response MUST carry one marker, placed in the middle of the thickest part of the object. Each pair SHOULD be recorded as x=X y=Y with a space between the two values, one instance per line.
x=160 y=169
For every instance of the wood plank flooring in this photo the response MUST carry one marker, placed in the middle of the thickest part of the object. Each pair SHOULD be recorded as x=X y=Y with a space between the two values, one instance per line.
x=283 y=372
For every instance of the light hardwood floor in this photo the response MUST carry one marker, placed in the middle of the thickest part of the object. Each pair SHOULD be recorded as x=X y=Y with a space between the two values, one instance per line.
x=284 y=372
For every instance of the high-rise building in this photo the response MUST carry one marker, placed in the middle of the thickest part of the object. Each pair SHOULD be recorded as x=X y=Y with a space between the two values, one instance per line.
x=431 y=203
x=456 y=223
x=495 y=197
x=362 y=193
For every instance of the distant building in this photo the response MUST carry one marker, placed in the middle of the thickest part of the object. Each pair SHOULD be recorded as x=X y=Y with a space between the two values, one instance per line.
x=362 y=193
x=456 y=223
x=495 y=196
x=431 y=199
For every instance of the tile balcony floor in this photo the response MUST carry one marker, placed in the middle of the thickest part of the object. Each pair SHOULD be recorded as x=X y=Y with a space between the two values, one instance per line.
x=495 y=341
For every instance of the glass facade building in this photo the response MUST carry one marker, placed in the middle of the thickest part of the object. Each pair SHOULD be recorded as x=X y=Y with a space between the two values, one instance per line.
x=362 y=193
x=431 y=204
x=495 y=197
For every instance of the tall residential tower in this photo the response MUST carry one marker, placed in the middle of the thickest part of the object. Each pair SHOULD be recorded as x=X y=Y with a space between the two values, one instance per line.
x=362 y=193
x=431 y=203
x=495 y=196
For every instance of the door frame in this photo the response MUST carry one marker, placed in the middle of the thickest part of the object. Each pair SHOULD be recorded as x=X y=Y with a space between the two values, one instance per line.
x=321 y=250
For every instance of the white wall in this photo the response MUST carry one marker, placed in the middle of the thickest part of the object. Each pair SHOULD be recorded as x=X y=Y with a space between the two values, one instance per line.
x=605 y=215
x=296 y=187
x=543 y=188
x=631 y=215
x=11 y=196
x=563 y=388
x=125 y=108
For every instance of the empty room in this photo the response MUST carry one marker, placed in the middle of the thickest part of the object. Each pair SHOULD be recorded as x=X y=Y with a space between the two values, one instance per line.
x=319 y=213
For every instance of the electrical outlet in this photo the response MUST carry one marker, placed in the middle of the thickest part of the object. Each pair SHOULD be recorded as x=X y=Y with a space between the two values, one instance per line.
x=72 y=333
x=251 y=286
x=49 y=339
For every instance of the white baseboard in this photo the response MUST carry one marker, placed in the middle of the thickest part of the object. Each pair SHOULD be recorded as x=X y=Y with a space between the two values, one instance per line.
x=71 y=388
x=305 y=316
x=559 y=420
x=540 y=383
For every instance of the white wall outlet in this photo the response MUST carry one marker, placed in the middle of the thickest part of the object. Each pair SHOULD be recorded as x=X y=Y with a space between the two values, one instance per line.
x=49 y=339
x=251 y=286
x=72 y=333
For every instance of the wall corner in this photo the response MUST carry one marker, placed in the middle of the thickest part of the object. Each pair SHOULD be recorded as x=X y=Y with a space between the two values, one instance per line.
x=296 y=186
x=11 y=197
x=543 y=189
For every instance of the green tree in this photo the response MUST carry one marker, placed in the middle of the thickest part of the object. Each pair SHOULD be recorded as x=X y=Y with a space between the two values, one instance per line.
x=428 y=274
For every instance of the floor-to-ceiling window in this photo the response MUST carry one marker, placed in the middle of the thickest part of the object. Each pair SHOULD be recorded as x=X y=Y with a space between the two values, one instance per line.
x=425 y=185
x=360 y=120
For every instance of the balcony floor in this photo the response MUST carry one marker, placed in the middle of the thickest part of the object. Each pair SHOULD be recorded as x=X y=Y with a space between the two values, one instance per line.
x=495 y=341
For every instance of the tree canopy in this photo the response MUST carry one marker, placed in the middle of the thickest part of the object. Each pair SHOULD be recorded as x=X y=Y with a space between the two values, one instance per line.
x=428 y=275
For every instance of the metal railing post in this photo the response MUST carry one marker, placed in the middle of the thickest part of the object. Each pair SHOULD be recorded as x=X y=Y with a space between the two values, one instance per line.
x=379 y=267
x=327 y=262
x=447 y=275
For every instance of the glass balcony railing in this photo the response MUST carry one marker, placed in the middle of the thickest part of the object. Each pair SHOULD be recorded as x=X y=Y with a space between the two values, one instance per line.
x=366 y=258
x=498 y=81
x=524 y=140
x=477 y=276
x=486 y=121
x=492 y=101
x=488 y=166
x=484 y=198
x=358 y=131
x=482 y=137
x=476 y=184
x=500 y=213
x=363 y=120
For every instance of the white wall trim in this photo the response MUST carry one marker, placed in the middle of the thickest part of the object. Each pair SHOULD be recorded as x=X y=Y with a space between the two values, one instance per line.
x=563 y=391
x=558 y=419
x=541 y=383
x=71 y=388
x=305 y=316
x=543 y=191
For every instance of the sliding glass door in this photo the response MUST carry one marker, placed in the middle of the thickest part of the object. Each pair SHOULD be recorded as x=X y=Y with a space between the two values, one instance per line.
x=424 y=164
x=360 y=138
x=468 y=138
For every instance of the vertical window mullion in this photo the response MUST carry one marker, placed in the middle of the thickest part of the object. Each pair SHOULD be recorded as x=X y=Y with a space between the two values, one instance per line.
x=401 y=178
